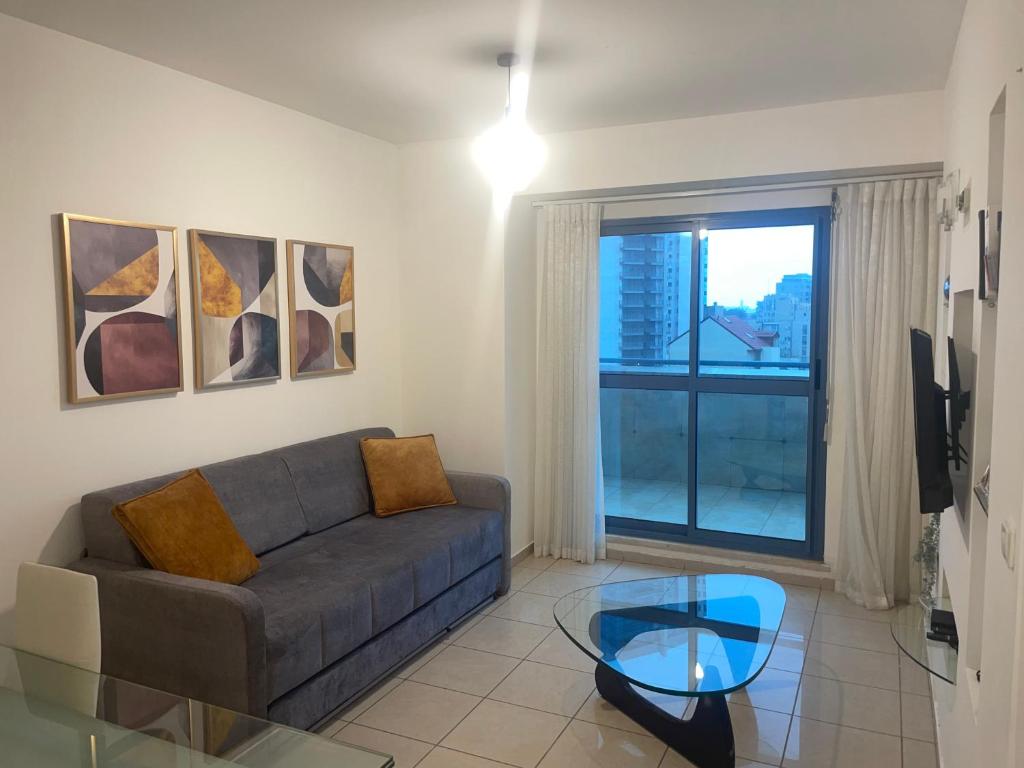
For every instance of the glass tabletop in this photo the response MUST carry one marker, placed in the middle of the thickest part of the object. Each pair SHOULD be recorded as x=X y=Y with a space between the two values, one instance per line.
x=910 y=631
x=681 y=635
x=52 y=715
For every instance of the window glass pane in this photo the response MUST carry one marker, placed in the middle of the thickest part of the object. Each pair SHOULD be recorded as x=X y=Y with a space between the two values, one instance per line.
x=756 y=298
x=644 y=449
x=645 y=302
x=752 y=464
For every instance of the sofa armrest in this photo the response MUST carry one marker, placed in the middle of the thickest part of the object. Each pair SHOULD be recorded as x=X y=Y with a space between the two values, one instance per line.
x=191 y=637
x=488 y=492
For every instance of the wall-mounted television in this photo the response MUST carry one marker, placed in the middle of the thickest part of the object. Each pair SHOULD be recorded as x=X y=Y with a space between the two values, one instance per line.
x=937 y=444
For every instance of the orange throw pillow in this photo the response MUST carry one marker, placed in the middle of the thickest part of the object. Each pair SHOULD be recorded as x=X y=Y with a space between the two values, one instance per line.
x=182 y=528
x=405 y=473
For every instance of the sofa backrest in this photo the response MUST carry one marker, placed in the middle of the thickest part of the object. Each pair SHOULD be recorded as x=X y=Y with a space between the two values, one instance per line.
x=273 y=497
x=329 y=477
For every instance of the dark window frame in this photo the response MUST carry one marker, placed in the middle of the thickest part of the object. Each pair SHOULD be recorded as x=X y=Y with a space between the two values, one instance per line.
x=813 y=387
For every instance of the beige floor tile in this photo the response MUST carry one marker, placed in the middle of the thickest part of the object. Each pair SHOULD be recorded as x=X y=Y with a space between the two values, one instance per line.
x=598 y=711
x=788 y=653
x=838 y=604
x=509 y=638
x=852 y=665
x=535 y=563
x=551 y=689
x=919 y=754
x=419 y=711
x=329 y=729
x=531 y=608
x=441 y=757
x=918 y=717
x=369 y=699
x=522 y=576
x=558 y=651
x=804 y=598
x=797 y=622
x=409 y=668
x=555 y=584
x=631 y=571
x=465 y=670
x=462 y=629
x=813 y=744
x=585 y=745
x=856 y=706
x=913 y=677
x=599 y=569
x=407 y=752
x=760 y=734
x=506 y=733
x=854 y=633
x=773 y=689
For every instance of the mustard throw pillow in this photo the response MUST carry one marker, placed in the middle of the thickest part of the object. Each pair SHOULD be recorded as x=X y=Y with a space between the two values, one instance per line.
x=405 y=473
x=182 y=528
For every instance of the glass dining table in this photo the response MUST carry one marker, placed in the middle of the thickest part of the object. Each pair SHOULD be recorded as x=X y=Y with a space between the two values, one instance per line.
x=54 y=716
x=698 y=637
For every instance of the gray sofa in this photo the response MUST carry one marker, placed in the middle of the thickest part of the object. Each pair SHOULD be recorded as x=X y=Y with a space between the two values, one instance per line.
x=341 y=599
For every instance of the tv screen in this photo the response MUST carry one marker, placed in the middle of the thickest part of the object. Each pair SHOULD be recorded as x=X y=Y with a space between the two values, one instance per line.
x=934 y=483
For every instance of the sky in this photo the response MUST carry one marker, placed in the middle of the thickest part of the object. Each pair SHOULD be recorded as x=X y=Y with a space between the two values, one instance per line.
x=745 y=264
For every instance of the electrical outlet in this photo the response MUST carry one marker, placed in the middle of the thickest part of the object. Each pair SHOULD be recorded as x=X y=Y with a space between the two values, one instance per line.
x=1008 y=544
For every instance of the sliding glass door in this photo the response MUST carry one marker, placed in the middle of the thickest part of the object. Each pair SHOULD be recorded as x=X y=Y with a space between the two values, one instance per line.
x=713 y=334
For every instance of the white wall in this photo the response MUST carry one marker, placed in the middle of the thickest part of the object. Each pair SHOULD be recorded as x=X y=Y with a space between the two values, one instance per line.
x=981 y=724
x=468 y=280
x=85 y=129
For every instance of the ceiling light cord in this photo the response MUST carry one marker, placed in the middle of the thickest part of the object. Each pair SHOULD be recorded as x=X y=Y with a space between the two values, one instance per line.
x=509 y=153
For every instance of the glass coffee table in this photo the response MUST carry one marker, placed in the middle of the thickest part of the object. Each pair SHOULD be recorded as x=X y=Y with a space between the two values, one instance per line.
x=57 y=716
x=691 y=636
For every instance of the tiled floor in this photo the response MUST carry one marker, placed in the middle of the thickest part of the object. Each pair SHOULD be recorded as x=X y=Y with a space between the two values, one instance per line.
x=507 y=689
x=779 y=514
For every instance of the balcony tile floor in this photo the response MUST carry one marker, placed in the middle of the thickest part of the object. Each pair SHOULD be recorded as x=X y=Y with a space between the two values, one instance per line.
x=778 y=514
x=508 y=689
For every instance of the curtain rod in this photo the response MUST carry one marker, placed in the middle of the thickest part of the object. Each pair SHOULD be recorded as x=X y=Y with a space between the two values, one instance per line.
x=769 y=187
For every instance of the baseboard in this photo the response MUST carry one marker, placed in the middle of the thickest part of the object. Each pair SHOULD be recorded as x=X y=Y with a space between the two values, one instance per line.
x=789 y=570
x=523 y=554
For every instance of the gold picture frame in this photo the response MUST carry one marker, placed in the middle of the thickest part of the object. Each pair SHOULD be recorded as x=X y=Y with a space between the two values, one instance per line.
x=122 y=308
x=321 y=331
x=236 y=322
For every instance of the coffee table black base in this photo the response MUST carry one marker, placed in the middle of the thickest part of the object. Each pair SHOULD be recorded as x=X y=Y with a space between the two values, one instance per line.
x=705 y=738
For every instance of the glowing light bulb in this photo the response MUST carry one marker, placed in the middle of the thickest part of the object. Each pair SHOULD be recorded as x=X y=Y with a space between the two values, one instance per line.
x=510 y=154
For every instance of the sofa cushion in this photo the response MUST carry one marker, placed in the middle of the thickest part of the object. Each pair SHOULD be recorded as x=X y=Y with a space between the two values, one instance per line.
x=329 y=477
x=405 y=473
x=104 y=536
x=326 y=594
x=258 y=493
x=182 y=528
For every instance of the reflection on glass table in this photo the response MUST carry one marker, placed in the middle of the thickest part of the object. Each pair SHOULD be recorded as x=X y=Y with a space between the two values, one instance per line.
x=910 y=631
x=55 y=715
x=698 y=636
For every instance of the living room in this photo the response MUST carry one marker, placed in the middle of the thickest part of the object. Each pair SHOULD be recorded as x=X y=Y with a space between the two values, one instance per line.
x=644 y=273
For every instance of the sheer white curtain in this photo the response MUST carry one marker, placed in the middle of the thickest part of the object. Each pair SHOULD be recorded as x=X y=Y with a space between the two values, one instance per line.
x=885 y=281
x=568 y=494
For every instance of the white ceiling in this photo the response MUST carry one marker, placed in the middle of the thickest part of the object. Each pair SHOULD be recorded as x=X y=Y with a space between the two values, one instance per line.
x=411 y=70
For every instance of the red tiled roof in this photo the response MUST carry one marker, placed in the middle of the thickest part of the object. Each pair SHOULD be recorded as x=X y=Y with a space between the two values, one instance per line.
x=745 y=332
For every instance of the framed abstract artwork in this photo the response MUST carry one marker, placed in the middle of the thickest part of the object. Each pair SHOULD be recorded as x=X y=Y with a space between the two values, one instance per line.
x=121 y=308
x=321 y=308
x=234 y=308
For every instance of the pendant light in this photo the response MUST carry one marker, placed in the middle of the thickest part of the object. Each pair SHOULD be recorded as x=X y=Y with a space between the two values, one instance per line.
x=509 y=153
